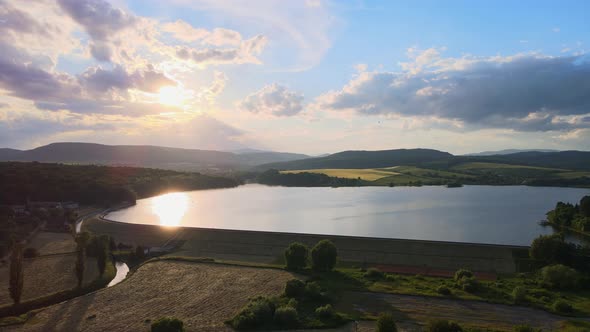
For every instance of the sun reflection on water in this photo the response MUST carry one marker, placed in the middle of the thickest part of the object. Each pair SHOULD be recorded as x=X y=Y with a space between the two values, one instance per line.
x=170 y=208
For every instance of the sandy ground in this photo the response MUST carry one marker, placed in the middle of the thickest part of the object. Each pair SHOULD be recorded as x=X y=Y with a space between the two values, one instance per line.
x=202 y=295
x=47 y=275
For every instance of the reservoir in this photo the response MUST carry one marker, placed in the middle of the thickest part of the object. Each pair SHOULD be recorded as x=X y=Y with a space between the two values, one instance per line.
x=475 y=214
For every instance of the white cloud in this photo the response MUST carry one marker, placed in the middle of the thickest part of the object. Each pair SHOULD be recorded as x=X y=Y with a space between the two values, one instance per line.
x=273 y=100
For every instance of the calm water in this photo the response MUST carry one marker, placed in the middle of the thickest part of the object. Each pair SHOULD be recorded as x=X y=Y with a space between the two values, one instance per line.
x=482 y=214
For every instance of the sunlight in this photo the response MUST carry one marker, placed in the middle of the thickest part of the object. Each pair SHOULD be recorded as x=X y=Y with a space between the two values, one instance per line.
x=170 y=208
x=171 y=95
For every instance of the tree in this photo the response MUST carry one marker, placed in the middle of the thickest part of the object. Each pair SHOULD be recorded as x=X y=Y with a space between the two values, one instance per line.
x=168 y=324
x=81 y=242
x=296 y=256
x=323 y=256
x=551 y=249
x=102 y=253
x=16 y=272
x=585 y=206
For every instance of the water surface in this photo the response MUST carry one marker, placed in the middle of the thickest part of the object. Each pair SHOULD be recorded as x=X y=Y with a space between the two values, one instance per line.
x=479 y=214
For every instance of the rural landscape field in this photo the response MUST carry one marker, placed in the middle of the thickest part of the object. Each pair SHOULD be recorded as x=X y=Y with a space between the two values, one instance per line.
x=294 y=165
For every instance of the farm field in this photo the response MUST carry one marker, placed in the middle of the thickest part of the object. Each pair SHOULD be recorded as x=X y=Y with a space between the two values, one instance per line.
x=46 y=275
x=202 y=295
x=368 y=174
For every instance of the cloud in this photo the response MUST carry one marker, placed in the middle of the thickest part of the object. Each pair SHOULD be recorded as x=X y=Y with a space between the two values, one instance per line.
x=183 y=31
x=274 y=100
x=99 y=18
x=246 y=53
x=527 y=92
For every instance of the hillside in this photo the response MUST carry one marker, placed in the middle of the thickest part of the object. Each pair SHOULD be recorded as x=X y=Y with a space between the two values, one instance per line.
x=363 y=159
x=145 y=156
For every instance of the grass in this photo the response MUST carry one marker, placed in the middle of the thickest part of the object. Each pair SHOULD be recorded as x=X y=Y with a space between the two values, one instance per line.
x=499 y=291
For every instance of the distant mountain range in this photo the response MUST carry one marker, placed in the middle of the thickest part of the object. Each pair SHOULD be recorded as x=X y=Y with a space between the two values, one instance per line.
x=247 y=159
x=146 y=156
x=508 y=151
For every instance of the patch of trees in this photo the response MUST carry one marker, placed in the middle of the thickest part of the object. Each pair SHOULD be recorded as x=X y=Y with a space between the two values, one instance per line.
x=273 y=177
x=323 y=256
x=571 y=216
x=94 y=185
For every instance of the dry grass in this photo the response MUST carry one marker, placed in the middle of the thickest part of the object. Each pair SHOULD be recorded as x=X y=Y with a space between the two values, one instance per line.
x=53 y=243
x=367 y=174
x=46 y=275
x=202 y=295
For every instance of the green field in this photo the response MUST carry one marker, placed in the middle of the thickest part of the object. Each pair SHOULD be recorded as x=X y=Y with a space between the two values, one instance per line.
x=466 y=173
x=397 y=175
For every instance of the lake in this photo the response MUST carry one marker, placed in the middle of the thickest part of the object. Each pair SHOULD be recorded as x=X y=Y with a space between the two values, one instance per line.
x=478 y=214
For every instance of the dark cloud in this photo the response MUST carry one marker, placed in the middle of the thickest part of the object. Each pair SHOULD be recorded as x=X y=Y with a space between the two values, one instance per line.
x=525 y=92
x=101 y=51
x=208 y=55
x=100 y=80
x=99 y=18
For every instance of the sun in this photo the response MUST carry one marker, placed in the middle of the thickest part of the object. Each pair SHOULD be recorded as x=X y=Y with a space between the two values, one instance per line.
x=171 y=95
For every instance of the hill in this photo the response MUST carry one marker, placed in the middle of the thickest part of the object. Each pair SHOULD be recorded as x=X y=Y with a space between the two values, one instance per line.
x=145 y=156
x=363 y=159
x=508 y=151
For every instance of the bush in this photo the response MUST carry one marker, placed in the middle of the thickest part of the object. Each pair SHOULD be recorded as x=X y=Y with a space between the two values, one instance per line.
x=559 y=276
x=523 y=328
x=168 y=324
x=374 y=273
x=259 y=311
x=296 y=256
x=31 y=253
x=519 y=294
x=468 y=284
x=294 y=288
x=385 y=323
x=313 y=291
x=551 y=249
x=463 y=273
x=325 y=312
x=293 y=303
x=562 y=307
x=323 y=256
x=442 y=325
x=443 y=290
x=286 y=316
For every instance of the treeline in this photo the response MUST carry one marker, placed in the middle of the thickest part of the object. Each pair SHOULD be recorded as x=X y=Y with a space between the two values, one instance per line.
x=571 y=216
x=273 y=177
x=94 y=185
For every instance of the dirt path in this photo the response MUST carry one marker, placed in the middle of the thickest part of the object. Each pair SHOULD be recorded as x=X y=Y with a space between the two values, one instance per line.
x=202 y=295
x=412 y=311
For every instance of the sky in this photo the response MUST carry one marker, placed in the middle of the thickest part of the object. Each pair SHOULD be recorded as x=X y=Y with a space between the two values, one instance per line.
x=306 y=76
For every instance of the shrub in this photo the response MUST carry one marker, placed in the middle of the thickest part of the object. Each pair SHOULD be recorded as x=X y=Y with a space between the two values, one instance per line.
x=463 y=273
x=168 y=324
x=551 y=249
x=562 y=307
x=293 y=303
x=559 y=276
x=294 y=288
x=323 y=256
x=313 y=291
x=31 y=253
x=468 y=284
x=374 y=273
x=286 y=316
x=259 y=311
x=325 y=312
x=385 y=323
x=523 y=328
x=296 y=256
x=519 y=294
x=443 y=290
x=442 y=325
